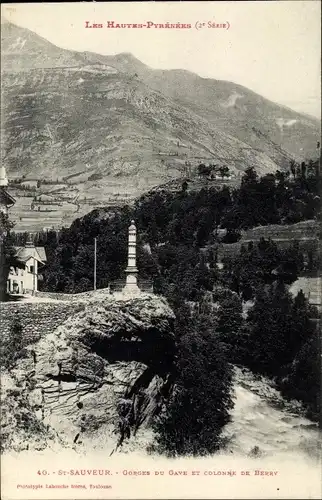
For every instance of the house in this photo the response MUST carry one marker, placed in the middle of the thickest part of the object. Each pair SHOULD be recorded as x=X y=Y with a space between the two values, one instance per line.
x=23 y=279
x=223 y=177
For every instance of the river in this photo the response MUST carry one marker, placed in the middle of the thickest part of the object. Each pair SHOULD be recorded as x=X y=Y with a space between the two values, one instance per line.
x=273 y=453
x=262 y=418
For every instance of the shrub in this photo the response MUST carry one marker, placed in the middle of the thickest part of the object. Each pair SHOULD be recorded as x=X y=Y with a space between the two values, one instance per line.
x=12 y=348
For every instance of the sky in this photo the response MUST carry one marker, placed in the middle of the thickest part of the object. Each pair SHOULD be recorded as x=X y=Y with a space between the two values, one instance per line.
x=270 y=47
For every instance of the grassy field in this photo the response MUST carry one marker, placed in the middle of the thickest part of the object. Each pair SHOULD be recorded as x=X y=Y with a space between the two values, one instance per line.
x=305 y=232
x=196 y=183
x=311 y=288
x=301 y=230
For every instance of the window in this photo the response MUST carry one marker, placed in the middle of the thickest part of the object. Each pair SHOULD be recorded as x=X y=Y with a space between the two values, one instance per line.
x=31 y=269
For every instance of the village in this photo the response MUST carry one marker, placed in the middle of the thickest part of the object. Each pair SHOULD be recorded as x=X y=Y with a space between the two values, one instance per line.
x=42 y=204
x=23 y=279
x=37 y=206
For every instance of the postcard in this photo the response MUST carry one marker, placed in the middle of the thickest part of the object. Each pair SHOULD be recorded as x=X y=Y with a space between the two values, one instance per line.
x=160 y=291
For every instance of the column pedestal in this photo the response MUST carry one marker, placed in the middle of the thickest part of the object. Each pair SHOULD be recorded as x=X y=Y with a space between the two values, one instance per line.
x=131 y=285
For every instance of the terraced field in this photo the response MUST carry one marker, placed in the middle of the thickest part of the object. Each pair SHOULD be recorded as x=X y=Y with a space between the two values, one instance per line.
x=37 y=211
x=305 y=232
x=307 y=229
x=57 y=206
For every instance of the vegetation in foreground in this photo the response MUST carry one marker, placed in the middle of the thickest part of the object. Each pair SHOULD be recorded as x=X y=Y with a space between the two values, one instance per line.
x=279 y=336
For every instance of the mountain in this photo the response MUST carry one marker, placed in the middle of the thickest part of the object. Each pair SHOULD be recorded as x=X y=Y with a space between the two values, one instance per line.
x=112 y=124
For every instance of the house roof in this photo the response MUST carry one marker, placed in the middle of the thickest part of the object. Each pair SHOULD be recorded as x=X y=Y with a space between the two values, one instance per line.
x=25 y=253
x=6 y=198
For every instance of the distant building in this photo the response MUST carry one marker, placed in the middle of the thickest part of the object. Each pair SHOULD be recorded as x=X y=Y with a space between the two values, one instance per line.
x=222 y=178
x=29 y=183
x=24 y=279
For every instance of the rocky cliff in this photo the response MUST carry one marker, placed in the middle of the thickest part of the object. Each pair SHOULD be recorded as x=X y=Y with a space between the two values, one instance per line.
x=94 y=381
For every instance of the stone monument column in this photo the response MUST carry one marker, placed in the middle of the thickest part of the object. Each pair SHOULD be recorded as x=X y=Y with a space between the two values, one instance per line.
x=131 y=285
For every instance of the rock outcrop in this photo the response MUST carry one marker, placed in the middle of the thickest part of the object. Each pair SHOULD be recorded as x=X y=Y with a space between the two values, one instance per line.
x=94 y=381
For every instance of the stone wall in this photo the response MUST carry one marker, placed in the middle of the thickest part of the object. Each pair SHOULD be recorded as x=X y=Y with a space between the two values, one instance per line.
x=37 y=319
x=56 y=296
x=73 y=296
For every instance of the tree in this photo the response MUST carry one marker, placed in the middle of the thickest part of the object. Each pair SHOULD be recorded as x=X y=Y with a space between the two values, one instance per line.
x=204 y=170
x=303 y=169
x=252 y=268
x=303 y=380
x=292 y=263
x=224 y=171
x=302 y=326
x=192 y=420
x=229 y=318
x=293 y=168
x=278 y=326
x=269 y=325
x=184 y=186
x=205 y=225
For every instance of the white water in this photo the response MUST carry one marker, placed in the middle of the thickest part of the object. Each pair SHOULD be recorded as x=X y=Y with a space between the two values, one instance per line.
x=289 y=453
x=262 y=418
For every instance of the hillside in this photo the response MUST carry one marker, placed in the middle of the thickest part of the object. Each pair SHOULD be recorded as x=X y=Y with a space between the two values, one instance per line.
x=110 y=124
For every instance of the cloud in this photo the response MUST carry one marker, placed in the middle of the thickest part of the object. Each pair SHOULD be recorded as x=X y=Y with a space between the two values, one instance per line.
x=281 y=122
x=232 y=99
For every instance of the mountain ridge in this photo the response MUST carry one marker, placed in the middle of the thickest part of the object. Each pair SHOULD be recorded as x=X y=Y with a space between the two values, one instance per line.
x=68 y=113
x=97 y=57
